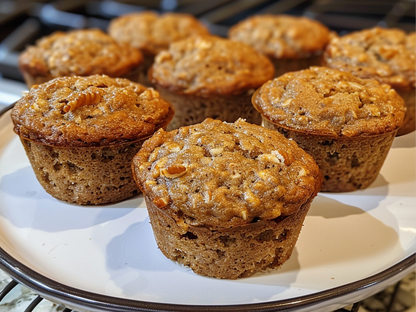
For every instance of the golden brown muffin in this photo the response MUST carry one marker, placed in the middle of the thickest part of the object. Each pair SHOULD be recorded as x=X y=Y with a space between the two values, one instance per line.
x=346 y=123
x=226 y=199
x=387 y=55
x=210 y=77
x=78 y=53
x=81 y=133
x=291 y=42
x=152 y=33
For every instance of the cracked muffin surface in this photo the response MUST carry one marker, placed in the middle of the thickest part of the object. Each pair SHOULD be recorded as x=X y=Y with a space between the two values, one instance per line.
x=209 y=65
x=282 y=36
x=89 y=111
x=219 y=174
x=330 y=102
x=387 y=55
x=80 y=53
x=151 y=32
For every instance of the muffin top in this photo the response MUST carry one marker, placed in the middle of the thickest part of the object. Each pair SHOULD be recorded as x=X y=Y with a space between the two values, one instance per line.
x=282 y=36
x=387 y=55
x=330 y=102
x=210 y=65
x=151 y=32
x=79 y=52
x=89 y=111
x=219 y=174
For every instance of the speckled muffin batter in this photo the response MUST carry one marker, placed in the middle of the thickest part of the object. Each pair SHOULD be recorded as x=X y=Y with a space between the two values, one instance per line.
x=226 y=199
x=346 y=123
x=387 y=55
x=152 y=33
x=78 y=53
x=210 y=77
x=291 y=42
x=81 y=133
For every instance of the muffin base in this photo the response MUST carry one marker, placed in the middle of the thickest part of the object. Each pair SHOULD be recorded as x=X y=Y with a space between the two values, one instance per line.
x=409 y=123
x=191 y=109
x=84 y=175
x=283 y=66
x=227 y=253
x=347 y=164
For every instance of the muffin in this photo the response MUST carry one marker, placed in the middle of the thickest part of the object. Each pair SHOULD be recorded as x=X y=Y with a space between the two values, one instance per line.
x=81 y=133
x=291 y=42
x=210 y=77
x=151 y=33
x=387 y=55
x=226 y=199
x=347 y=124
x=78 y=53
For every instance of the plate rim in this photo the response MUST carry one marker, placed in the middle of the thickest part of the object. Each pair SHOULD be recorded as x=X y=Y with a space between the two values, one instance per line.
x=68 y=295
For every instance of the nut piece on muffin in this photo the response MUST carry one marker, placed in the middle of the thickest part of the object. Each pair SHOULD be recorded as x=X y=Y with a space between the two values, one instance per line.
x=81 y=52
x=81 y=133
x=226 y=199
x=210 y=77
x=346 y=123
x=291 y=42
x=152 y=33
x=388 y=55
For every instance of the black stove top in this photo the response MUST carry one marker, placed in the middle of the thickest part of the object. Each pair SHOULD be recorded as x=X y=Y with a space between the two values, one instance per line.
x=22 y=22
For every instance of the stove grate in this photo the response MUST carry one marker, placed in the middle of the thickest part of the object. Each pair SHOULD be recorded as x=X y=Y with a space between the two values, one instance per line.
x=37 y=18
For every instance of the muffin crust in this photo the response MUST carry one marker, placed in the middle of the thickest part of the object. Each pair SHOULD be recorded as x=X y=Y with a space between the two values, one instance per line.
x=330 y=102
x=282 y=36
x=151 y=32
x=111 y=111
x=387 y=55
x=209 y=65
x=218 y=174
x=79 y=52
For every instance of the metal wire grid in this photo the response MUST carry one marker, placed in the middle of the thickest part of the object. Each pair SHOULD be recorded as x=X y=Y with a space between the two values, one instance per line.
x=38 y=16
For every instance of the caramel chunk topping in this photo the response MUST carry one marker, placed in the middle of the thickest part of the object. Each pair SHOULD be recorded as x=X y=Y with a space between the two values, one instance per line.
x=226 y=174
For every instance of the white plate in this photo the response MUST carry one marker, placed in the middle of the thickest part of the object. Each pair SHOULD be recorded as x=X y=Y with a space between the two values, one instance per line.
x=105 y=258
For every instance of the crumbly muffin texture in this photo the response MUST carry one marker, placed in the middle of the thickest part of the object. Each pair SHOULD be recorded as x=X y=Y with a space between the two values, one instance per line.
x=228 y=253
x=218 y=174
x=209 y=65
x=84 y=175
x=330 y=102
x=79 y=52
x=387 y=55
x=282 y=36
x=347 y=163
x=89 y=111
x=151 y=32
